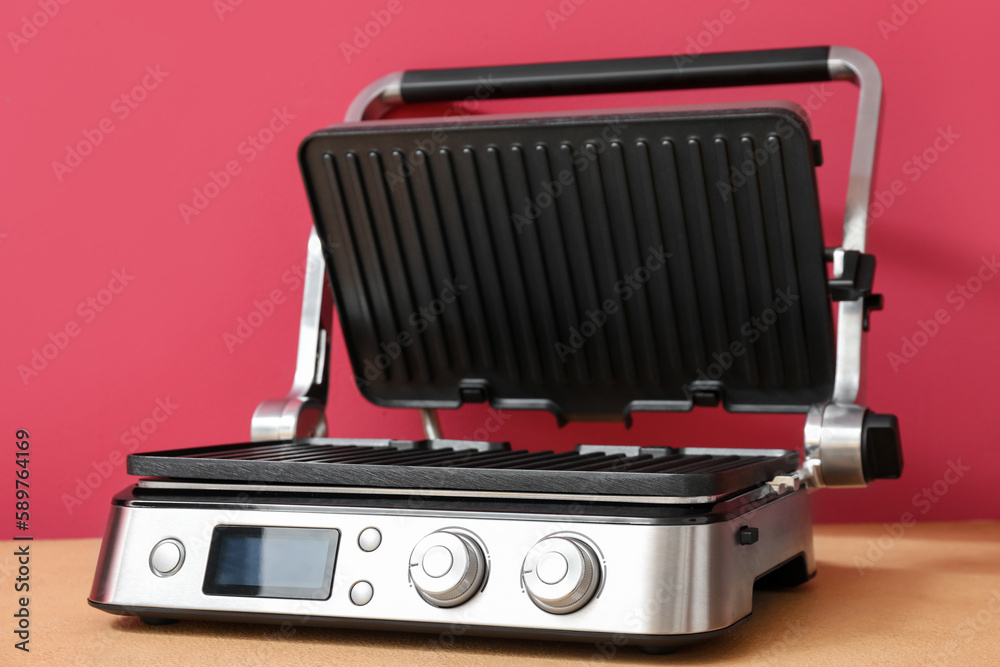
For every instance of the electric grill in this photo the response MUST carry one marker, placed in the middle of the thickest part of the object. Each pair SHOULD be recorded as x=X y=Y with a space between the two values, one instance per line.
x=591 y=264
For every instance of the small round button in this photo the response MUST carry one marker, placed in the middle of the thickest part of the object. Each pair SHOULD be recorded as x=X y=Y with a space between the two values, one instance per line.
x=361 y=593
x=369 y=539
x=166 y=557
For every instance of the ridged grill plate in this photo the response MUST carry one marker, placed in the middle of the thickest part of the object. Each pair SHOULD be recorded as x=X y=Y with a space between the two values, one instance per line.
x=592 y=264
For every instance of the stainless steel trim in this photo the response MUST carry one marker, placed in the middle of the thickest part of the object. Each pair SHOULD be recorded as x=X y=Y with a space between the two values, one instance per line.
x=432 y=426
x=109 y=561
x=833 y=446
x=301 y=413
x=812 y=433
x=437 y=493
x=309 y=360
x=848 y=383
x=395 y=513
x=376 y=99
x=848 y=64
x=852 y=65
x=838 y=262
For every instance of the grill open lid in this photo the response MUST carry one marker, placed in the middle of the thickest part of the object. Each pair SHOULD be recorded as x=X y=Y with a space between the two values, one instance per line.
x=589 y=265
x=594 y=264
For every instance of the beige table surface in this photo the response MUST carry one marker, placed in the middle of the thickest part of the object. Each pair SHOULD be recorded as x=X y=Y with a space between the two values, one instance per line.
x=932 y=597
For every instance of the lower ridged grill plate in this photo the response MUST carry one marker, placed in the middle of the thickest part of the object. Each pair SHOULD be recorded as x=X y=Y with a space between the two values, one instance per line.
x=475 y=466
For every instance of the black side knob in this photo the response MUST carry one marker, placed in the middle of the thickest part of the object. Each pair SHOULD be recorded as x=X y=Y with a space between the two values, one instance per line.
x=881 y=451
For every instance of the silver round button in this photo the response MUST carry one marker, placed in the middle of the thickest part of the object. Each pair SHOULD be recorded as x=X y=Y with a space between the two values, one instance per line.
x=362 y=593
x=369 y=539
x=447 y=568
x=561 y=574
x=166 y=557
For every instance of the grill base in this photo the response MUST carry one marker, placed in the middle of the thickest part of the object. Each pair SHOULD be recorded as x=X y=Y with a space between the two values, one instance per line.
x=669 y=575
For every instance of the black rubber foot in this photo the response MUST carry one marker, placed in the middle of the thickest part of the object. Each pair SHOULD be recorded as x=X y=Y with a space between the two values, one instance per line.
x=150 y=620
x=657 y=650
x=792 y=572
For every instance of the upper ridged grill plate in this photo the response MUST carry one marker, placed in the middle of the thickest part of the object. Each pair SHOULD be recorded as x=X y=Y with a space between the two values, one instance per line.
x=484 y=245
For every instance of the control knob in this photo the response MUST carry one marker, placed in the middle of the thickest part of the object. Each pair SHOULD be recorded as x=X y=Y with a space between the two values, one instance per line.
x=561 y=574
x=447 y=568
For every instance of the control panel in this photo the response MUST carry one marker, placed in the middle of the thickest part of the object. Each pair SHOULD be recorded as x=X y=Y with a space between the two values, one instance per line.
x=446 y=567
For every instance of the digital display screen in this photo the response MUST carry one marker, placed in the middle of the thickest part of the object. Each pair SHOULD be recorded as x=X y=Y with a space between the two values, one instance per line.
x=271 y=562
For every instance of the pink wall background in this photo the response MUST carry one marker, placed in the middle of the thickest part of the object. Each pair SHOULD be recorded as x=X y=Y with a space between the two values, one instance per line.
x=200 y=78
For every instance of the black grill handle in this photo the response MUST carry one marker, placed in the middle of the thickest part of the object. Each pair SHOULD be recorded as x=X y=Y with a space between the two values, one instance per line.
x=585 y=77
